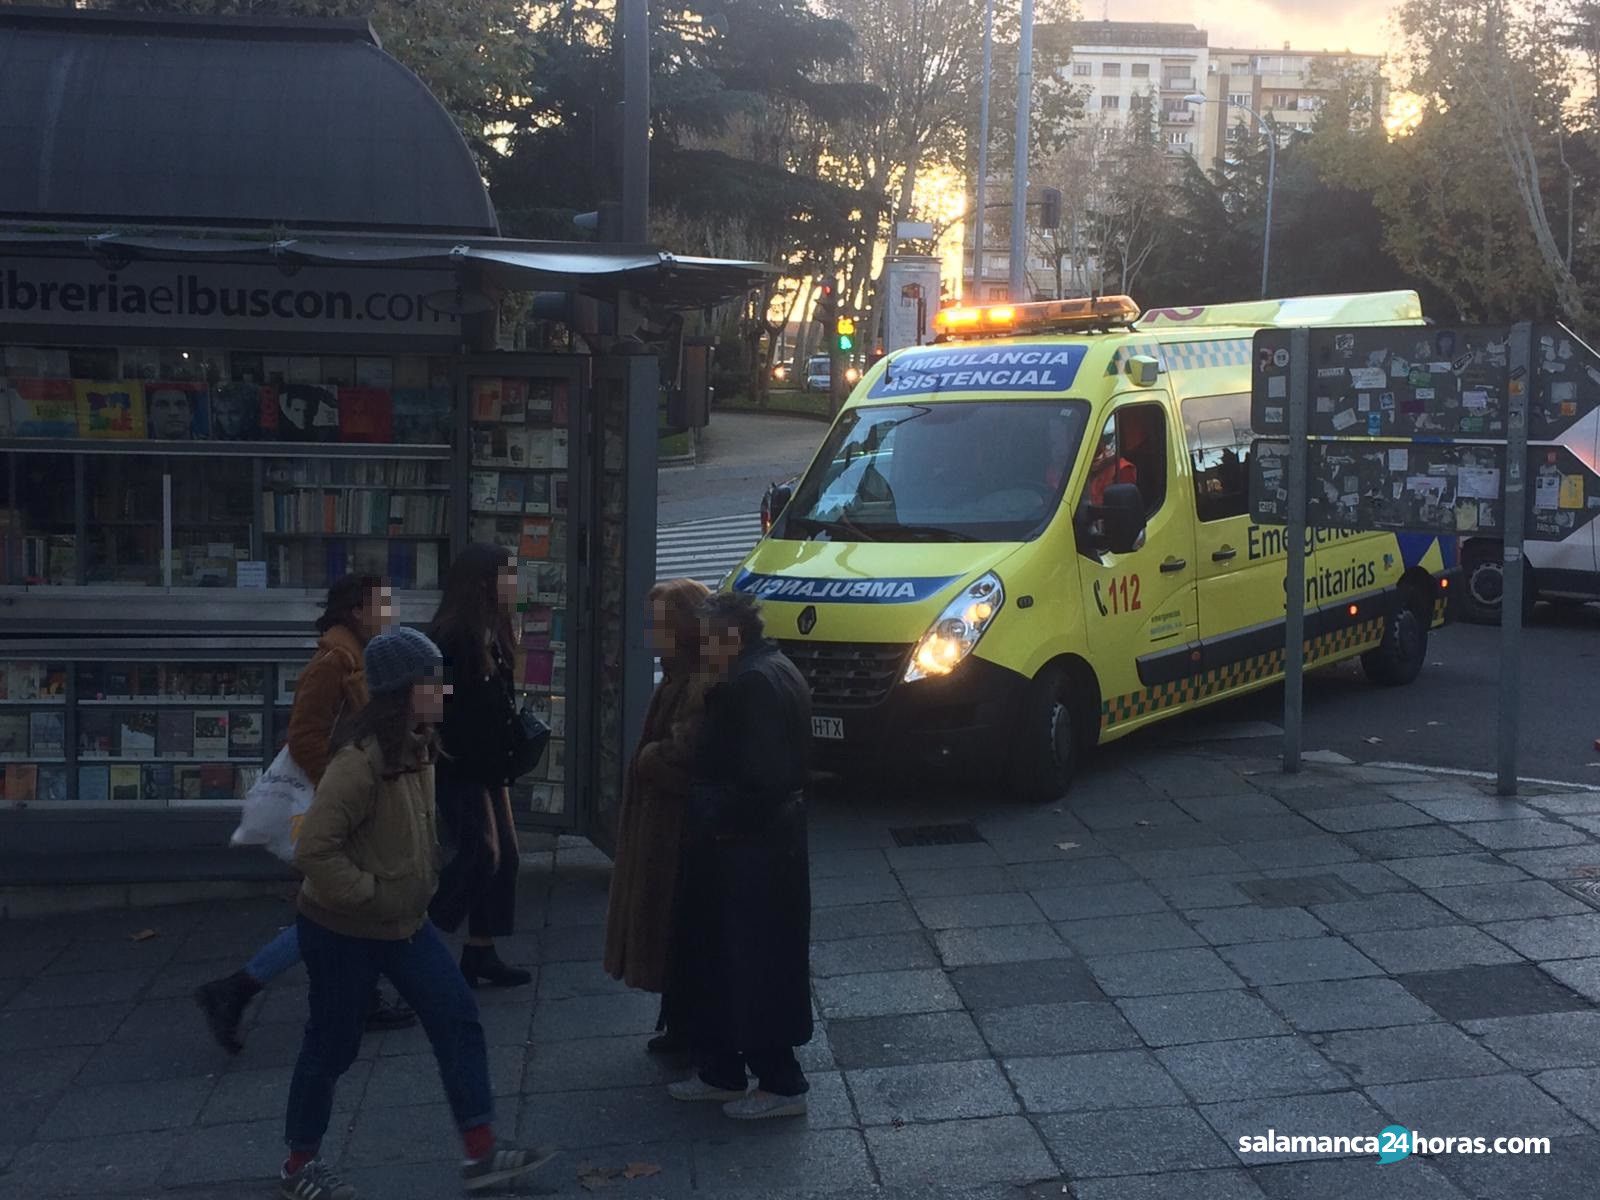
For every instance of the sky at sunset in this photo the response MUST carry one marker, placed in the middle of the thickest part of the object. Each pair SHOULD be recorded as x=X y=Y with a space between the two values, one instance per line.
x=1361 y=25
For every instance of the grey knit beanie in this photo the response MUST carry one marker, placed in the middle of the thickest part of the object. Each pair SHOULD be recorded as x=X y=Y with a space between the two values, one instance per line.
x=399 y=657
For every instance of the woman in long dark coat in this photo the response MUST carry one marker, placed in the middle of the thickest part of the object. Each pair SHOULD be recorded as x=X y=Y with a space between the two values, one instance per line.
x=474 y=630
x=639 y=920
x=746 y=891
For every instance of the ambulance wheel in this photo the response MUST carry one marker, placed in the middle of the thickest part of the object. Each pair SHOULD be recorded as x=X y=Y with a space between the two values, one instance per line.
x=1398 y=659
x=1483 y=585
x=1048 y=741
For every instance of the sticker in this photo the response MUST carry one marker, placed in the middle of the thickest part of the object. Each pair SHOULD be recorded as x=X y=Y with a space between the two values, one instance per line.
x=1477 y=400
x=1486 y=518
x=1367 y=377
x=1572 y=491
x=1272 y=415
x=1399 y=460
x=1345 y=344
x=1023 y=367
x=1547 y=490
x=842 y=591
x=1332 y=372
x=1440 y=368
x=1419 y=377
x=1343 y=419
x=1426 y=393
x=1569 y=408
x=1374 y=424
x=1278 y=387
x=1467 y=517
x=1462 y=364
x=1324 y=404
x=1386 y=401
x=1364 y=402
x=1478 y=483
x=1399 y=368
x=1280 y=358
x=1563 y=391
x=1446 y=343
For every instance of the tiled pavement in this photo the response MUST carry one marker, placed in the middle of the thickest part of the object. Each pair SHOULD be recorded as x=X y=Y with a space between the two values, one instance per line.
x=1096 y=1000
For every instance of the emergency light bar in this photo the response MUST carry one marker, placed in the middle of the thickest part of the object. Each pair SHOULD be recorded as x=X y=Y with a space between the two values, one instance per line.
x=997 y=320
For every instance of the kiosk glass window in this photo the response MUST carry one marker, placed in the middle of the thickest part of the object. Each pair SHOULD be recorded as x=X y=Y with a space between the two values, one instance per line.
x=135 y=487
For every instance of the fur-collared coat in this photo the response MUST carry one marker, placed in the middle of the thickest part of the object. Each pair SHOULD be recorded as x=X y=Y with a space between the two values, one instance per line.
x=639 y=920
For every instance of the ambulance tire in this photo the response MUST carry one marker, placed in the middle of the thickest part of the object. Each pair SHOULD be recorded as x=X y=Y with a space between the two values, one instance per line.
x=1399 y=658
x=1483 y=583
x=1048 y=742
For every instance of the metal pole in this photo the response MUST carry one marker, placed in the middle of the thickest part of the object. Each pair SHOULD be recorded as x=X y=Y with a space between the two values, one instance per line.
x=1516 y=490
x=1019 y=174
x=1272 y=183
x=635 y=26
x=1294 y=624
x=983 y=148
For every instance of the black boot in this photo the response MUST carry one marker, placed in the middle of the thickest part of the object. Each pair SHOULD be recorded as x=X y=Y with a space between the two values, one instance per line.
x=483 y=963
x=223 y=1001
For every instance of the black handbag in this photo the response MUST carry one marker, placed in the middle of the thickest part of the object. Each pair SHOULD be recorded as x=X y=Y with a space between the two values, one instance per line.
x=529 y=736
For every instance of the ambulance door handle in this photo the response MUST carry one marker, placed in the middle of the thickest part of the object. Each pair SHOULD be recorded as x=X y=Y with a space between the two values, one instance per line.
x=1224 y=554
x=1173 y=564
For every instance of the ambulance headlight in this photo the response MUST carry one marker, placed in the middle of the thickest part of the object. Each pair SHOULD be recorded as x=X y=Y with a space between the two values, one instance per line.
x=953 y=636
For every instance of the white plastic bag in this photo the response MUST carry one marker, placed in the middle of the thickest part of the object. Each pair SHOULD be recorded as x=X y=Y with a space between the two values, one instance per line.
x=274 y=807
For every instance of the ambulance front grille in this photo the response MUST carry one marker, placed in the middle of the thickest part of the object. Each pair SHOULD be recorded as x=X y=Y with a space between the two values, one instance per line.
x=848 y=674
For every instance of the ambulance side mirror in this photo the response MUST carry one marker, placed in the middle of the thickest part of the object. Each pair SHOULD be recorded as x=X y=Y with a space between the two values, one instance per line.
x=1117 y=522
x=773 y=503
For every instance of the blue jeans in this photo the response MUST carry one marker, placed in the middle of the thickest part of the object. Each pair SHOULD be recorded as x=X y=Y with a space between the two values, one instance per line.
x=343 y=972
x=276 y=957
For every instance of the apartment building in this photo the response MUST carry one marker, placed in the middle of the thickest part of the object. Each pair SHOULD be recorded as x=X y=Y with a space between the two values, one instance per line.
x=1287 y=86
x=1148 y=70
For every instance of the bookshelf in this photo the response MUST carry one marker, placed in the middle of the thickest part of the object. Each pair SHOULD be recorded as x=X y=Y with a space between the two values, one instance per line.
x=33 y=731
x=519 y=498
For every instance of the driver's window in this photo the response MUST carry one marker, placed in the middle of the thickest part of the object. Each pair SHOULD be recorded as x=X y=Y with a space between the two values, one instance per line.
x=1132 y=449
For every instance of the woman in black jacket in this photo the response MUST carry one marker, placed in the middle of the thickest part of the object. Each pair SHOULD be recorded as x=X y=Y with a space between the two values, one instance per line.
x=475 y=630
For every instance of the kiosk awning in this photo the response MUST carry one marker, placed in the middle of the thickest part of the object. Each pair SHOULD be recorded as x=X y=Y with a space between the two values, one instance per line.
x=672 y=280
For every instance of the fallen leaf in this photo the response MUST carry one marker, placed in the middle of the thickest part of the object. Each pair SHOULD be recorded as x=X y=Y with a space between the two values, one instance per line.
x=641 y=1170
x=1141 y=822
x=592 y=1179
x=1433 y=723
x=144 y=935
x=1373 y=741
x=1066 y=845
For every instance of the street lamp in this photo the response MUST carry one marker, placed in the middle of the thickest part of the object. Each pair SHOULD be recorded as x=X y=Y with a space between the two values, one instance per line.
x=1194 y=98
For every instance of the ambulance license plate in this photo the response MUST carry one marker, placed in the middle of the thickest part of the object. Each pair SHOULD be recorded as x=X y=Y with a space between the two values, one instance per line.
x=831 y=728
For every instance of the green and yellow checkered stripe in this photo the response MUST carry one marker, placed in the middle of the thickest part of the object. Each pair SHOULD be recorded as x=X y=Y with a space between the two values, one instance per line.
x=1255 y=669
x=1440 y=601
x=1187 y=356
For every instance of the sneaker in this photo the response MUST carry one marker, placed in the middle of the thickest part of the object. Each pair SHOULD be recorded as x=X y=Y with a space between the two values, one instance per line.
x=694 y=1088
x=502 y=1165
x=315 y=1181
x=389 y=1014
x=758 y=1106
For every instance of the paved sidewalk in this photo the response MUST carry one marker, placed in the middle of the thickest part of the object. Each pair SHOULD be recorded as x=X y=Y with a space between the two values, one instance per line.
x=1095 y=1000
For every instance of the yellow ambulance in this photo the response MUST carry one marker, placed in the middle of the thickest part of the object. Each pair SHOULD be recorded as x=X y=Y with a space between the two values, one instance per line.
x=1033 y=536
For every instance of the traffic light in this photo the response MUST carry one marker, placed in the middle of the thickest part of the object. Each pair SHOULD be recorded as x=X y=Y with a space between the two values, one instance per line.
x=844 y=332
x=1050 y=208
x=827 y=298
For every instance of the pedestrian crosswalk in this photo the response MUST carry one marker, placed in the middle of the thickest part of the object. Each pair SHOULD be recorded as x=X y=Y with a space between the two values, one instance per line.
x=705 y=550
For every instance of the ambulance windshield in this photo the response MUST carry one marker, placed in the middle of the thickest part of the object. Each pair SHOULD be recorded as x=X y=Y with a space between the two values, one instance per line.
x=962 y=471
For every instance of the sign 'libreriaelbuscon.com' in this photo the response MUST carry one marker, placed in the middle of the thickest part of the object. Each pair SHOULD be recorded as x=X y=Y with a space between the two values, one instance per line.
x=218 y=297
x=1020 y=367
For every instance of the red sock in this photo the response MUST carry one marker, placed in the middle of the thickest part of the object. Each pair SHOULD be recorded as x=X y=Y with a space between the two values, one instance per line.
x=296 y=1160
x=479 y=1141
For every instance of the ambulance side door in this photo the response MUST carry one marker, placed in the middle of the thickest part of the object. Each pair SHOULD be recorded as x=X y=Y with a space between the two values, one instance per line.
x=1240 y=568
x=1139 y=607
